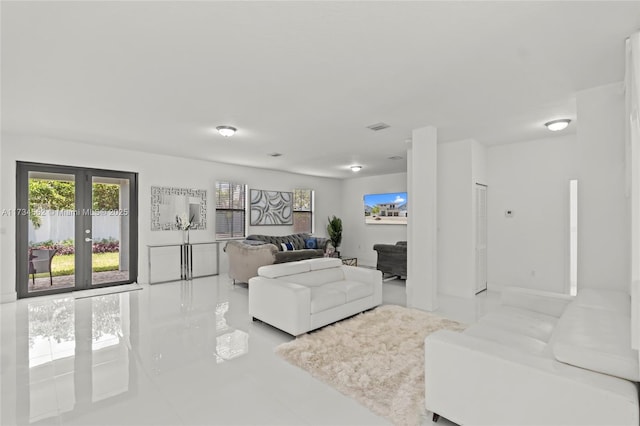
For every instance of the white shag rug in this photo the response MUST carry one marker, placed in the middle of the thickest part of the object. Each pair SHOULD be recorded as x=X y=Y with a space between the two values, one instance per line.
x=376 y=358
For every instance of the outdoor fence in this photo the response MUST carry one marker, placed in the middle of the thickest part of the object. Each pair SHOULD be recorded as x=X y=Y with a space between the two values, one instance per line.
x=58 y=225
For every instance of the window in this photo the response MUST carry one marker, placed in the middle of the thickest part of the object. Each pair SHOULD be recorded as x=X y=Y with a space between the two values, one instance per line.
x=230 y=210
x=303 y=210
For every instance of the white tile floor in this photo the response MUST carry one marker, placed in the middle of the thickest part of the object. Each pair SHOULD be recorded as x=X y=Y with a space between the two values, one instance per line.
x=171 y=354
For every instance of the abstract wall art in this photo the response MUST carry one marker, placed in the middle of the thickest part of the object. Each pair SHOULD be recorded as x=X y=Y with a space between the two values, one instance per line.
x=271 y=207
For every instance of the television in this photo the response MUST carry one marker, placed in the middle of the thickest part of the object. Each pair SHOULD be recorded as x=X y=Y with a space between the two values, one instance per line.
x=385 y=209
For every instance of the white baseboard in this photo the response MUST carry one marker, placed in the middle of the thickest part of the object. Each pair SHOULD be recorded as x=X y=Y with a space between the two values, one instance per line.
x=8 y=297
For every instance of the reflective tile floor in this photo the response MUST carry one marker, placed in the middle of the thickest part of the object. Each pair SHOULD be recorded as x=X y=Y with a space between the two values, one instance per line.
x=64 y=281
x=183 y=353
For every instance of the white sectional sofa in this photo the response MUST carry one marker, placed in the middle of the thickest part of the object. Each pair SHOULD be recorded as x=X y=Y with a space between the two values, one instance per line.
x=540 y=359
x=298 y=297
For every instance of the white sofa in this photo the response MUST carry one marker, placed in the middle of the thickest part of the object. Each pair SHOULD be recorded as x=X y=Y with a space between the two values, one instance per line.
x=540 y=359
x=298 y=297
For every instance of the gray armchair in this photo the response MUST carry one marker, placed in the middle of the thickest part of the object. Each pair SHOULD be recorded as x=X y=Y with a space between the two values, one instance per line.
x=392 y=258
x=245 y=259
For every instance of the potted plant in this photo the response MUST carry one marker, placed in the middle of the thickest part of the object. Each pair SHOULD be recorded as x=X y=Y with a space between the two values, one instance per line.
x=334 y=230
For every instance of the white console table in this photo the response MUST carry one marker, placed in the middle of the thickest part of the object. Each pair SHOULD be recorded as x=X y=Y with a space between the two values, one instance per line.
x=174 y=262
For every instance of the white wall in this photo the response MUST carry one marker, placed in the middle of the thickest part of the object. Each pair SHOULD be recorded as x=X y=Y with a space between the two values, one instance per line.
x=3 y=230
x=604 y=222
x=531 y=179
x=479 y=164
x=455 y=243
x=357 y=238
x=461 y=165
x=154 y=170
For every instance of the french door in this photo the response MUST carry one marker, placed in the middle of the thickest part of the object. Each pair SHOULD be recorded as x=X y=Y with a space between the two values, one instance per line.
x=76 y=228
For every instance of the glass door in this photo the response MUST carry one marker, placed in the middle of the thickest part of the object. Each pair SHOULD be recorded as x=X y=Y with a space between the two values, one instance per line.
x=51 y=230
x=110 y=228
x=77 y=229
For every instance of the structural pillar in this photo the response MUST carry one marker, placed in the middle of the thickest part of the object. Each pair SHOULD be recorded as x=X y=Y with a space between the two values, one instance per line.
x=422 y=231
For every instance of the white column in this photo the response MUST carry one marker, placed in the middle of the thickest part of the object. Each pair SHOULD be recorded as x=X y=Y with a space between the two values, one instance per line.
x=604 y=231
x=7 y=224
x=632 y=116
x=422 y=243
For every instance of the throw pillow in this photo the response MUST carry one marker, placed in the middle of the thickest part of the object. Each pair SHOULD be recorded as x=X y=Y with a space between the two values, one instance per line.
x=287 y=246
x=311 y=243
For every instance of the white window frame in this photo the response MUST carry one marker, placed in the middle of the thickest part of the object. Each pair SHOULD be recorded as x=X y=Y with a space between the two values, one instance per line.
x=230 y=235
x=311 y=207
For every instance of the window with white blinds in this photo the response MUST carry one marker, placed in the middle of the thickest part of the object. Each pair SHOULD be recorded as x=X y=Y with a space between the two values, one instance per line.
x=303 y=210
x=231 y=211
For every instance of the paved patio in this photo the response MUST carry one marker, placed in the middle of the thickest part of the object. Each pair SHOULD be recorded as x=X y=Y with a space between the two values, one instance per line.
x=66 y=281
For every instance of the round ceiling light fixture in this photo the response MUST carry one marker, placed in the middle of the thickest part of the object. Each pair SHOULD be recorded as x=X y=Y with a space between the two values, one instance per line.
x=557 y=125
x=226 y=131
x=355 y=168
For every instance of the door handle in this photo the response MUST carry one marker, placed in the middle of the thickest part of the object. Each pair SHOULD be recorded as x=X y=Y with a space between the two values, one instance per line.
x=87 y=239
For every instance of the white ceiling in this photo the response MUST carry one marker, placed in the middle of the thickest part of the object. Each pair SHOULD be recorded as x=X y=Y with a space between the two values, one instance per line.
x=303 y=78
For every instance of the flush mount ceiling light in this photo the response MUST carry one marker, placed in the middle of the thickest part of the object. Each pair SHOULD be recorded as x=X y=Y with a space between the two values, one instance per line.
x=355 y=168
x=378 y=126
x=557 y=125
x=226 y=131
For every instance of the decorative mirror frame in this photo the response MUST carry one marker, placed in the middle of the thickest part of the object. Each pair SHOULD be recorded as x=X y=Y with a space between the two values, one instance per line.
x=168 y=196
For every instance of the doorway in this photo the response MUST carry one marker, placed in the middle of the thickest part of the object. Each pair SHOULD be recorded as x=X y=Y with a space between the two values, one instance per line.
x=77 y=228
x=481 y=238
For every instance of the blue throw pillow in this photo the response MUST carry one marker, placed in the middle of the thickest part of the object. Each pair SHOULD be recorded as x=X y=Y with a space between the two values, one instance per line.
x=311 y=243
x=287 y=246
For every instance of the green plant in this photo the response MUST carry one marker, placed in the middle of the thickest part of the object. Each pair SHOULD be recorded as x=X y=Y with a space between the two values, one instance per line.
x=334 y=229
x=49 y=195
x=106 y=196
x=46 y=194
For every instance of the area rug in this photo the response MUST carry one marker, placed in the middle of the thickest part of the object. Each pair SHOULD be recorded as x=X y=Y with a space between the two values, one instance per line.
x=376 y=358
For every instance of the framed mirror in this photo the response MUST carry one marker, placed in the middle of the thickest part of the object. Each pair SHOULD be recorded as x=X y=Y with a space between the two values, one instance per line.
x=167 y=203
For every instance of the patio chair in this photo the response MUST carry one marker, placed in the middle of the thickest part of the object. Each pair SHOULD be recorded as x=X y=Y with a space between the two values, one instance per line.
x=40 y=262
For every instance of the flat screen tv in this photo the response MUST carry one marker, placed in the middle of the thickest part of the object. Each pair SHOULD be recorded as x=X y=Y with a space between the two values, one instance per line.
x=385 y=209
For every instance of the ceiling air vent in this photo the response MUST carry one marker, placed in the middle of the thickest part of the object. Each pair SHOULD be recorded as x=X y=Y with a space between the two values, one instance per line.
x=378 y=126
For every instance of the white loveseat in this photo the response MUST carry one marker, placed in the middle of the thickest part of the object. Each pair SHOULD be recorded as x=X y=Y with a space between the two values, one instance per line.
x=540 y=359
x=298 y=297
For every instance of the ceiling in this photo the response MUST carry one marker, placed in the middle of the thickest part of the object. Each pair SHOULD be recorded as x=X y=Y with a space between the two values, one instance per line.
x=304 y=79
